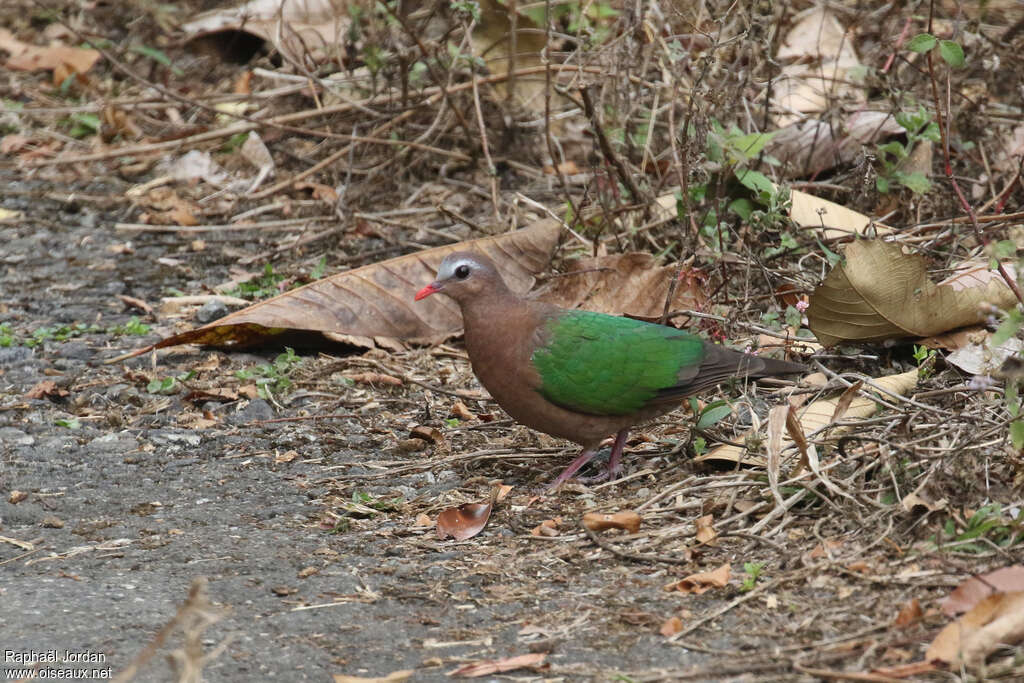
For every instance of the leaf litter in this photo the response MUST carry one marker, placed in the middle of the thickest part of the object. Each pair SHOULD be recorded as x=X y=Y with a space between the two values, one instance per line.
x=856 y=460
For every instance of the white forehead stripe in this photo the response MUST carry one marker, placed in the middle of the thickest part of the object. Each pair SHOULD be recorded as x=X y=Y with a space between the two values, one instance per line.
x=448 y=268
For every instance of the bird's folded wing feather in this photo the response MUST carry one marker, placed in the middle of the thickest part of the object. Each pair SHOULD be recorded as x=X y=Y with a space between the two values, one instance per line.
x=604 y=365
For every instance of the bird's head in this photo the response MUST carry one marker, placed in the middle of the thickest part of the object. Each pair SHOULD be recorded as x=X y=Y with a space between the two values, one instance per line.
x=464 y=276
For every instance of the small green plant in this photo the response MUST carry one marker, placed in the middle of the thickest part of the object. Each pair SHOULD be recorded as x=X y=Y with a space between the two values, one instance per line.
x=919 y=127
x=158 y=56
x=169 y=385
x=925 y=358
x=452 y=422
x=82 y=124
x=988 y=523
x=262 y=287
x=134 y=327
x=7 y=337
x=320 y=269
x=753 y=572
x=469 y=8
x=949 y=50
x=379 y=504
x=68 y=423
x=712 y=414
x=700 y=446
x=1014 y=403
x=272 y=378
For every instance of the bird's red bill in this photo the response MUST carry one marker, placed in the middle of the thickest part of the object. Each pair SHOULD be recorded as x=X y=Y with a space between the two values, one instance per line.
x=425 y=292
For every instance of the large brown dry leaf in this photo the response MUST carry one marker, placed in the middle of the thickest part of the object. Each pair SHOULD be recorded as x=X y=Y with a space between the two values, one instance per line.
x=26 y=57
x=375 y=302
x=996 y=620
x=881 y=293
x=630 y=284
x=821 y=65
x=491 y=41
x=814 y=417
x=834 y=220
x=975 y=589
x=298 y=28
x=811 y=146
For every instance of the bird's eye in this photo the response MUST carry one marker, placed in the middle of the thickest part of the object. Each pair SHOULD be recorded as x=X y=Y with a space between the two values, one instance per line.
x=462 y=272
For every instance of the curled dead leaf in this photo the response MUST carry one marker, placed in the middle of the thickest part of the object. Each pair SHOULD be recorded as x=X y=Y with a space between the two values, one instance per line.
x=627 y=520
x=881 y=293
x=373 y=378
x=549 y=527
x=703 y=581
x=493 y=666
x=995 y=621
x=460 y=411
x=910 y=613
x=975 y=589
x=706 y=533
x=466 y=520
x=672 y=626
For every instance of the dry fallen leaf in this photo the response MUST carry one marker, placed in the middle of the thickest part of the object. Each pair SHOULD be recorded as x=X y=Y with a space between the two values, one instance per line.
x=300 y=29
x=996 y=620
x=549 y=527
x=702 y=582
x=672 y=626
x=599 y=521
x=466 y=520
x=909 y=613
x=26 y=57
x=393 y=677
x=815 y=417
x=880 y=293
x=975 y=589
x=706 y=533
x=821 y=67
x=493 y=666
x=624 y=284
x=46 y=389
x=375 y=302
x=423 y=520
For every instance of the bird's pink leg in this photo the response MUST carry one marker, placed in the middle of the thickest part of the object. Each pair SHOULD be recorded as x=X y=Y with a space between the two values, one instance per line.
x=582 y=459
x=614 y=462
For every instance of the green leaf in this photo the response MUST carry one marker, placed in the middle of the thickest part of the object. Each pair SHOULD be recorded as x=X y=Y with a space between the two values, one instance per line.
x=916 y=182
x=923 y=42
x=1007 y=328
x=756 y=181
x=742 y=208
x=951 y=53
x=751 y=144
x=713 y=414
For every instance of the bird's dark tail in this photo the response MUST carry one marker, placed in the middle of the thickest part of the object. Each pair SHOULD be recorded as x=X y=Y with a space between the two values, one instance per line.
x=755 y=367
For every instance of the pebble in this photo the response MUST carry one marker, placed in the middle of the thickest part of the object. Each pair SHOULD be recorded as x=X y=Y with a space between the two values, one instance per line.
x=215 y=309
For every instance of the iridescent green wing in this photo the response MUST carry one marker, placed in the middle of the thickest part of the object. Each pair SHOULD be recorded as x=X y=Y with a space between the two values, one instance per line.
x=605 y=365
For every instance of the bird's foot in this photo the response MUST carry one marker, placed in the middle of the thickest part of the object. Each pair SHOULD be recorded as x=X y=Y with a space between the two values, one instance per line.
x=607 y=473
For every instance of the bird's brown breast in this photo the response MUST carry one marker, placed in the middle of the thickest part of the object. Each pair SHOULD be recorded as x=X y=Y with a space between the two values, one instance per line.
x=501 y=348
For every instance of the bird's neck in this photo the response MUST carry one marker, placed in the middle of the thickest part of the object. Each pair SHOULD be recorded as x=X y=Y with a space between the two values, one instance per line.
x=496 y=320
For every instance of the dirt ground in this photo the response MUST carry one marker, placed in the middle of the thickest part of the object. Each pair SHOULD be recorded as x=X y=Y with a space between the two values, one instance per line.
x=163 y=520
